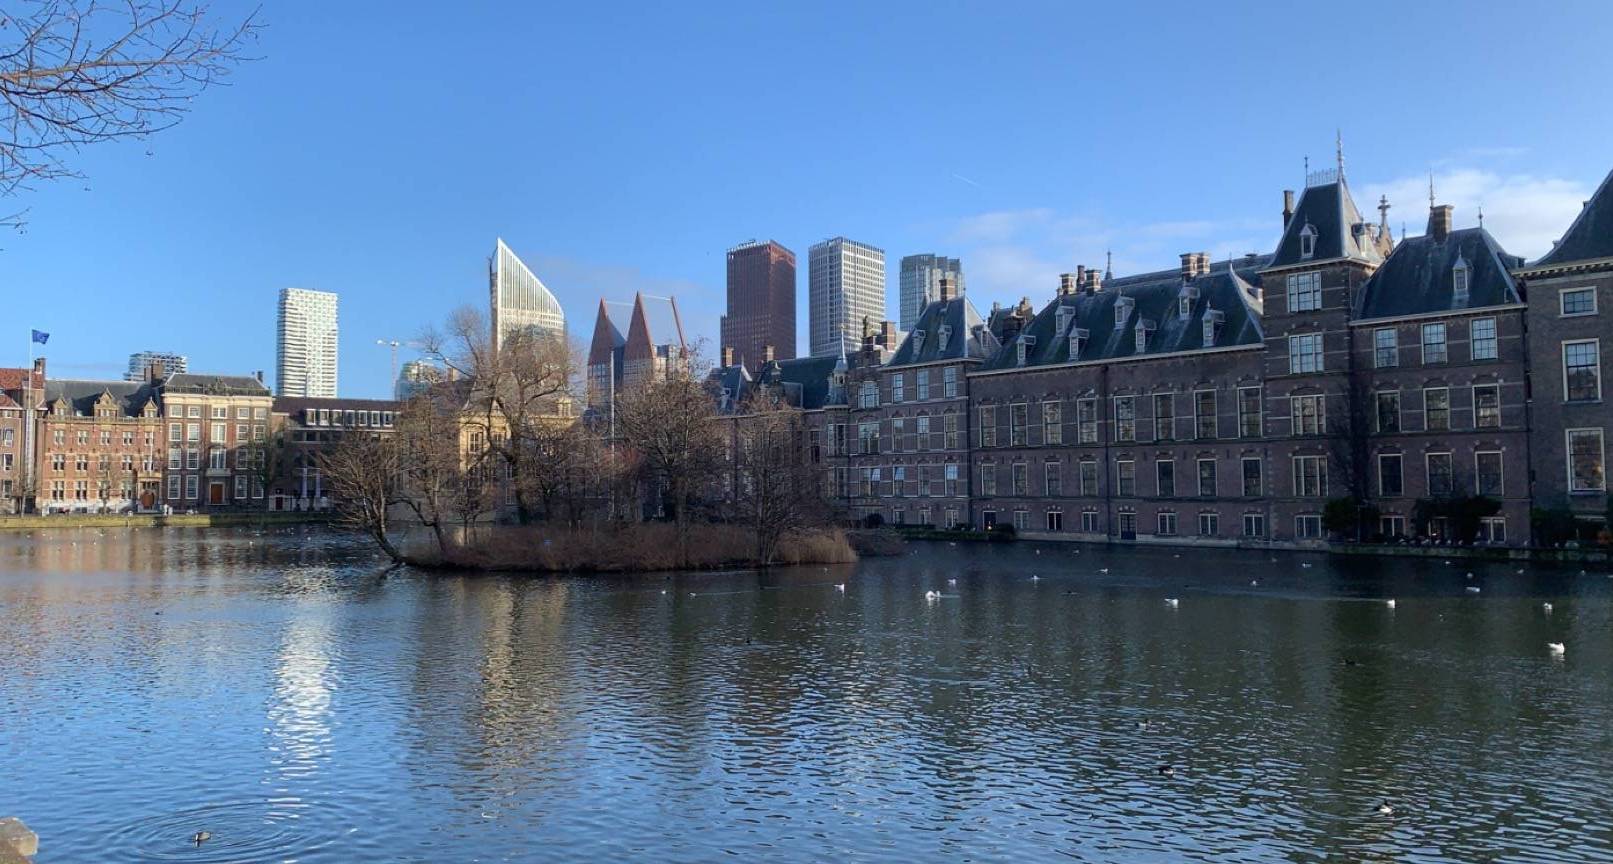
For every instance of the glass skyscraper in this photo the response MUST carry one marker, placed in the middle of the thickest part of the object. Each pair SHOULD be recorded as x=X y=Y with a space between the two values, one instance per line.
x=845 y=284
x=920 y=283
x=519 y=299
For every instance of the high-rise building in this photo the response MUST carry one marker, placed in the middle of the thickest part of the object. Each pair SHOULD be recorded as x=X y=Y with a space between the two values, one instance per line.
x=519 y=299
x=846 y=285
x=761 y=303
x=306 y=347
x=140 y=363
x=920 y=282
x=416 y=377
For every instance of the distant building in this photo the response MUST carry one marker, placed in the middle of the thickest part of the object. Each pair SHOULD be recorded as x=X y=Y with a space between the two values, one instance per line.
x=306 y=344
x=846 y=285
x=920 y=282
x=761 y=303
x=308 y=428
x=651 y=345
x=416 y=377
x=519 y=299
x=140 y=362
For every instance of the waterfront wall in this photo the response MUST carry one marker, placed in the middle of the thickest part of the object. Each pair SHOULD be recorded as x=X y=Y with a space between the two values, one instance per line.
x=188 y=520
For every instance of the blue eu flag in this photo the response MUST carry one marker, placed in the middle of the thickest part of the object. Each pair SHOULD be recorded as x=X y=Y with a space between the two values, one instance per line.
x=41 y=336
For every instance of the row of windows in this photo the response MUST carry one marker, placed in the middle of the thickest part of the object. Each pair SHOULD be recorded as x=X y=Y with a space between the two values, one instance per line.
x=1483 y=343
x=1205 y=418
x=868 y=393
x=219 y=412
x=191 y=490
x=103 y=461
x=219 y=432
x=1492 y=529
x=1437 y=409
x=82 y=437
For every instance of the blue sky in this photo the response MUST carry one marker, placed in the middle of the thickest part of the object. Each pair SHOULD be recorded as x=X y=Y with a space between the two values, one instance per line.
x=377 y=150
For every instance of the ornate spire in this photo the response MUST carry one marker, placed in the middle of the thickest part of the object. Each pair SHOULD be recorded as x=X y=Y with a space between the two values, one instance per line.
x=1338 y=143
x=1481 y=215
x=1430 y=190
x=1108 y=264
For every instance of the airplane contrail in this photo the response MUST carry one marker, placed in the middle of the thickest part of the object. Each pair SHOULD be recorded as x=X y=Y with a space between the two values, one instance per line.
x=967 y=180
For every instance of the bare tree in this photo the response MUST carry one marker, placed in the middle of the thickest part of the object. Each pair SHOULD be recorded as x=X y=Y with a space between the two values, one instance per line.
x=777 y=489
x=80 y=72
x=430 y=465
x=362 y=474
x=670 y=421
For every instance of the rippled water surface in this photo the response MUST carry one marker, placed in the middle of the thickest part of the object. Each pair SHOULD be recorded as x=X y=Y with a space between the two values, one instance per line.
x=281 y=692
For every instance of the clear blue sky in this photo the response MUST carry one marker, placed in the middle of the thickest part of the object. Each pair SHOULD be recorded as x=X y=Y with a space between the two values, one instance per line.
x=378 y=149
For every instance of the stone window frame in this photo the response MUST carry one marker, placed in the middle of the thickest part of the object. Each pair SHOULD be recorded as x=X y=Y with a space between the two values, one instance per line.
x=1083 y=426
x=1215 y=476
x=1306 y=353
x=1400 y=475
x=1303 y=291
x=1596 y=367
x=1254 y=525
x=1493 y=340
x=1159 y=478
x=1500 y=473
x=1053 y=478
x=1294 y=401
x=1496 y=388
x=1212 y=527
x=1445 y=412
x=1378 y=413
x=1130 y=401
x=1443 y=342
x=1601 y=459
x=1120 y=485
x=1169 y=398
x=1562 y=301
x=1243 y=476
x=1307 y=526
x=1213 y=417
x=1319 y=476
x=1260 y=411
x=1083 y=467
x=1380 y=359
x=1161 y=528
x=1428 y=472
x=898 y=389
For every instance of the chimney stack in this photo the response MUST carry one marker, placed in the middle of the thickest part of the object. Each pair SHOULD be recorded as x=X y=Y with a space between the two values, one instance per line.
x=767 y=353
x=1069 y=283
x=1190 y=265
x=258 y=375
x=154 y=371
x=945 y=288
x=1094 y=281
x=1439 y=221
x=1288 y=207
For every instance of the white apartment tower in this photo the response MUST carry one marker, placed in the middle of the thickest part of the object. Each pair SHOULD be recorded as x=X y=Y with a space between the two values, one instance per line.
x=305 y=351
x=845 y=284
x=919 y=282
x=519 y=299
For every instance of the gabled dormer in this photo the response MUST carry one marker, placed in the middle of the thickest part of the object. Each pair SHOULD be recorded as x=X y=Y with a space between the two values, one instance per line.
x=943 y=335
x=1078 y=341
x=1123 y=307
x=1064 y=316
x=1212 y=326
x=1024 y=347
x=1461 y=282
x=1184 y=301
x=918 y=342
x=1307 y=242
x=1141 y=333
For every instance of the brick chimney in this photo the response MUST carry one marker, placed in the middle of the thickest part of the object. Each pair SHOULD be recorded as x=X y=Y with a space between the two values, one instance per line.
x=946 y=288
x=1094 y=282
x=728 y=356
x=1288 y=207
x=1069 y=283
x=1190 y=265
x=155 y=372
x=767 y=353
x=887 y=334
x=1203 y=262
x=1440 y=217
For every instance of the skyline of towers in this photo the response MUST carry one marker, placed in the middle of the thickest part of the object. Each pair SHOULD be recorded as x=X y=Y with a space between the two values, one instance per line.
x=845 y=285
x=306 y=343
x=760 y=303
x=919 y=282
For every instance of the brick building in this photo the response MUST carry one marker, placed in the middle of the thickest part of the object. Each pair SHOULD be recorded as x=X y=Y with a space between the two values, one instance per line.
x=217 y=427
x=761 y=303
x=302 y=428
x=101 y=446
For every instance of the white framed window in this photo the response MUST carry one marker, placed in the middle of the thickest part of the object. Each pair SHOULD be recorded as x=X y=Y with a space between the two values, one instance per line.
x=1209 y=524
x=922 y=384
x=1493 y=529
x=1078 y=341
x=1164 y=417
x=1308 y=414
x=1391 y=481
x=1436 y=408
x=1577 y=301
x=1487 y=406
x=1125 y=477
x=1585 y=466
x=1483 y=344
x=898 y=389
x=949 y=381
x=190 y=486
x=1086 y=421
x=1204 y=414
x=1441 y=474
x=1582 y=370
x=1055 y=520
x=1254 y=525
x=173 y=487
x=1304 y=292
x=1254 y=482
x=988 y=426
x=1434 y=343
x=868 y=395
x=1392 y=526
x=1125 y=418
x=1310 y=476
x=1089 y=477
x=1308 y=526
x=1165 y=478
x=1166 y=526
x=1385 y=348
x=1123 y=306
x=1251 y=410
x=1488 y=474
x=1052 y=479
x=1089 y=521
x=1304 y=353
x=1388 y=413
x=1052 y=422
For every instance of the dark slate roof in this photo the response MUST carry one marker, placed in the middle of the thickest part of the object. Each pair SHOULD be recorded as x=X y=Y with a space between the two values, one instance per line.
x=968 y=336
x=1591 y=235
x=131 y=396
x=733 y=386
x=1340 y=231
x=217 y=385
x=1419 y=276
x=1232 y=292
x=806 y=379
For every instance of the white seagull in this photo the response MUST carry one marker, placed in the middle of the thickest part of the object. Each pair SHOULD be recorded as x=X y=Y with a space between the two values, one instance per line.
x=1556 y=648
x=1546 y=607
x=952 y=581
x=932 y=596
x=841 y=587
x=1472 y=589
x=1385 y=810
x=1103 y=569
x=1390 y=602
x=1172 y=602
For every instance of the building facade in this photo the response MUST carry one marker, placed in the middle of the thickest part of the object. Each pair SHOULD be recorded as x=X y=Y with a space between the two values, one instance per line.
x=518 y=298
x=217 y=433
x=302 y=429
x=141 y=361
x=761 y=303
x=620 y=359
x=305 y=343
x=845 y=287
x=919 y=283
x=102 y=445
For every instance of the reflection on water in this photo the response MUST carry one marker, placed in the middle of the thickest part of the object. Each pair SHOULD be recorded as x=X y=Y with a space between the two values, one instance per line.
x=281 y=692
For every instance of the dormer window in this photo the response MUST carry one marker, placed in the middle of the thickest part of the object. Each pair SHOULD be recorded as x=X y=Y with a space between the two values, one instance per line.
x=1078 y=341
x=1184 y=301
x=1063 y=316
x=1026 y=343
x=1459 y=284
x=1307 y=241
x=1142 y=330
x=1122 y=312
x=918 y=341
x=1212 y=326
x=944 y=335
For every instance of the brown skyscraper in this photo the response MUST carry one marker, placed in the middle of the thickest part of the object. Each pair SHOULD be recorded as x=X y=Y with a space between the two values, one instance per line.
x=761 y=303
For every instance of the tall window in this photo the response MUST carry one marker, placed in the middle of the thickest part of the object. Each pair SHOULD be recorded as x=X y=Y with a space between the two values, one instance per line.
x=1585 y=469
x=1389 y=411
x=988 y=426
x=1052 y=479
x=1125 y=477
x=1484 y=344
x=1204 y=413
x=1016 y=424
x=1582 y=371
x=869 y=395
x=1304 y=353
x=949 y=425
x=1487 y=406
x=1487 y=473
x=1307 y=241
x=898 y=388
x=1125 y=418
x=1021 y=478
x=949 y=381
x=1308 y=414
x=1439 y=475
x=899 y=439
x=1310 y=476
x=1459 y=280
x=988 y=479
x=1434 y=343
x=1164 y=417
x=1391 y=484
x=951 y=475
x=921 y=429
x=868 y=436
x=1089 y=477
x=1165 y=474
x=1052 y=422
x=1249 y=412
x=1207 y=478
x=1253 y=477
x=1304 y=292
x=1385 y=348
x=1086 y=418
x=923 y=376
x=1436 y=408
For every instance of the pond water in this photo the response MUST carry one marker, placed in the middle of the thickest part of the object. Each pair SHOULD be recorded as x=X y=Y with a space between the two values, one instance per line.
x=282 y=692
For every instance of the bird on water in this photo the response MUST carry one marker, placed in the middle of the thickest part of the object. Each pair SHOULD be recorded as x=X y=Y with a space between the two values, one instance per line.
x=1556 y=648
x=1384 y=809
x=201 y=837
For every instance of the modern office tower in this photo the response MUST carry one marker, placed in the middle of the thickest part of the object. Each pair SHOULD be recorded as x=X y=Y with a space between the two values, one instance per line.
x=416 y=377
x=761 y=303
x=920 y=283
x=140 y=363
x=306 y=347
x=519 y=299
x=846 y=284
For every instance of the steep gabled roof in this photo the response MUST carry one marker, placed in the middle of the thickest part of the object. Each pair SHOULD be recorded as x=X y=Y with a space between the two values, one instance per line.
x=655 y=323
x=608 y=336
x=1153 y=297
x=1590 y=237
x=1419 y=276
x=1329 y=211
x=966 y=334
x=130 y=397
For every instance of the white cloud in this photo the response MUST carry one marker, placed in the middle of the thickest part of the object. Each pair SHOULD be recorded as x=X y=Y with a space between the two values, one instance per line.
x=1524 y=212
